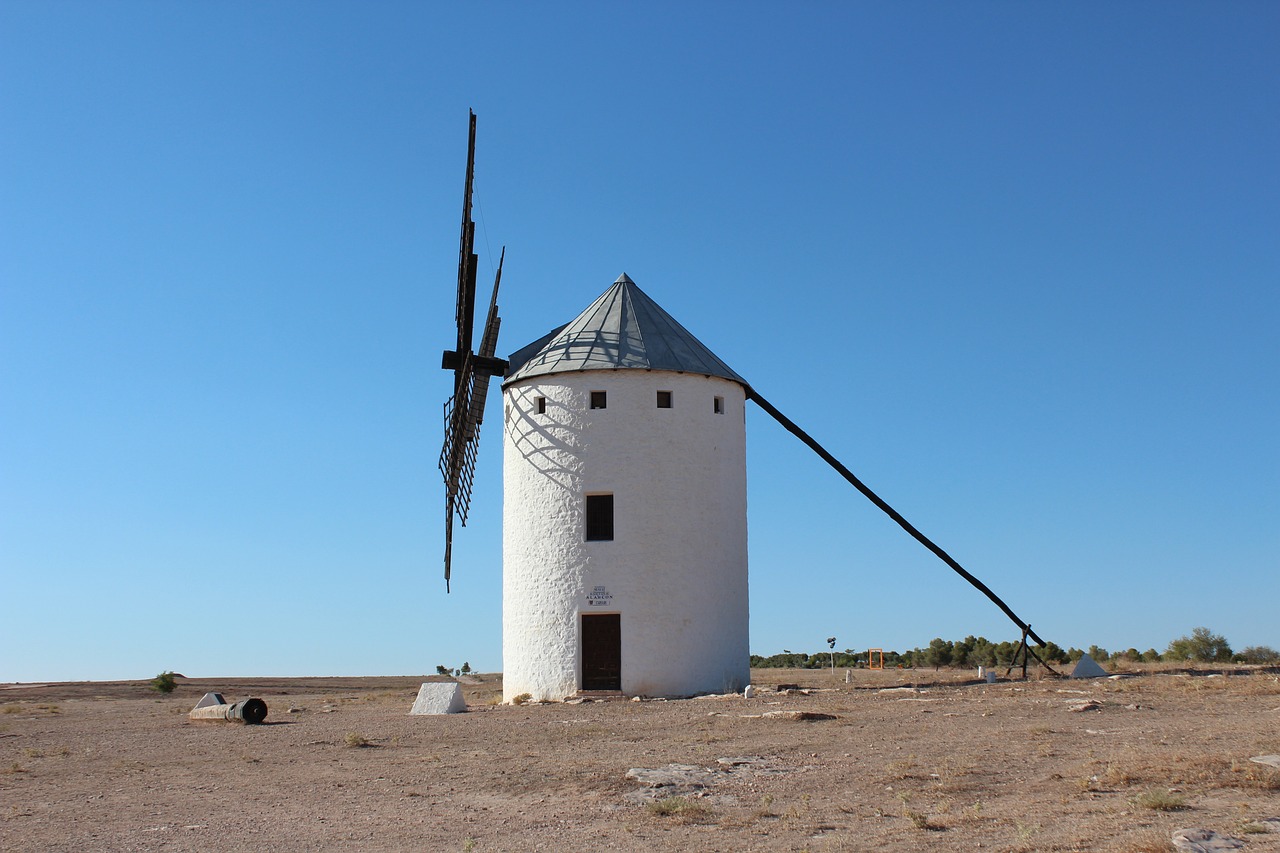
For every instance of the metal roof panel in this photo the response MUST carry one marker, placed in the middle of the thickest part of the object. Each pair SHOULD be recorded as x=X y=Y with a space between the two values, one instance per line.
x=622 y=329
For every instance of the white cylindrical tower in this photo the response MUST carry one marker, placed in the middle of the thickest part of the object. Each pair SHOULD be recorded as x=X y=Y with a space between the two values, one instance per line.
x=624 y=514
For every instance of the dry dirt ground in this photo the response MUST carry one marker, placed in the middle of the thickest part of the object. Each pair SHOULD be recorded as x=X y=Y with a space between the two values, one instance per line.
x=937 y=761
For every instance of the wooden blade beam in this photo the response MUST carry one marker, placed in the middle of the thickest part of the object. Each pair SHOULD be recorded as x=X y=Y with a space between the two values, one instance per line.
x=467 y=260
x=482 y=364
x=792 y=428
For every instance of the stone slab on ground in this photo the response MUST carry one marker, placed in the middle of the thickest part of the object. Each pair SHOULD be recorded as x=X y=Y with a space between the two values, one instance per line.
x=679 y=776
x=798 y=716
x=438 y=699
x=1269 y=760
x=1204 y=841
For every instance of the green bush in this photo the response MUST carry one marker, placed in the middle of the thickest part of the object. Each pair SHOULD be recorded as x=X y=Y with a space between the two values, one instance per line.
x=164 y=682
x=1259 y=654
x=1203 y=646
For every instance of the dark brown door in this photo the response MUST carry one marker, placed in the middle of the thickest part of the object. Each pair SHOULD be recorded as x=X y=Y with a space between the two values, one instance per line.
x=601 y=651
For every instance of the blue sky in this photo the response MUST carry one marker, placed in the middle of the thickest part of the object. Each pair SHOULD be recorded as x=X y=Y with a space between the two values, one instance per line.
x=1015 y=264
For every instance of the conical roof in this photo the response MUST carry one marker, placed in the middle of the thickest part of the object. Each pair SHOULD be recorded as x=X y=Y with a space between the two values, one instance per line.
x=622 y=329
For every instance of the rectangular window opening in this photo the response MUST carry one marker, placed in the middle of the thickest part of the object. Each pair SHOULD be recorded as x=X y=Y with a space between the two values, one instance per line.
x=717 y=405
x=599 y=399
x=664 y=399
x=599 y=518
x=541 y=405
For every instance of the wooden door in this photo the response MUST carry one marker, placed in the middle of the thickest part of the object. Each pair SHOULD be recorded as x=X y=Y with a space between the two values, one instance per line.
x=601 y=651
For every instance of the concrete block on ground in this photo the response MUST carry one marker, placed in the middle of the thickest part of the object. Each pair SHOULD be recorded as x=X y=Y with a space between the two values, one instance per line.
x=210 y=699
x=1087 y=667
x=439 y=698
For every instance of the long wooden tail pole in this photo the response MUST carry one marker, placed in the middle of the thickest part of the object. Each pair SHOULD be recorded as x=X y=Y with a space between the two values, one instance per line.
x=888 y=510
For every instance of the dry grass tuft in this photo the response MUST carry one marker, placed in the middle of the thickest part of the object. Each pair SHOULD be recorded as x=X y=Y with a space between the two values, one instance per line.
x=1152 y=844
x=355 y=740
x=1161 y=801
x=685 y=810
x=920 y=820
x=19 y=708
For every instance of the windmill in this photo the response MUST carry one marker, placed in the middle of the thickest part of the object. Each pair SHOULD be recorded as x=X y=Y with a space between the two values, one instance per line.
x=464 y=411
x=571 y=597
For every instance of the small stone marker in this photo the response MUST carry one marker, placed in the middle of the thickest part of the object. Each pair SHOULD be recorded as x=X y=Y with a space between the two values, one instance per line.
x=1087 y=667
x=750 y=692
x=438 y=698
x=1204 y=841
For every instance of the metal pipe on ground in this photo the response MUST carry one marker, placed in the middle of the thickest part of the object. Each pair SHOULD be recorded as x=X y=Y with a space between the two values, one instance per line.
x=248 y=711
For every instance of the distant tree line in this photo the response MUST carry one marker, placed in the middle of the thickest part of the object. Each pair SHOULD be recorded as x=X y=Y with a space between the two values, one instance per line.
x=465 y=669
x=1201 y=646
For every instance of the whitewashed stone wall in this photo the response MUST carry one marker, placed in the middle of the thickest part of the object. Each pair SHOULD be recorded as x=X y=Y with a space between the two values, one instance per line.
x=676 y=570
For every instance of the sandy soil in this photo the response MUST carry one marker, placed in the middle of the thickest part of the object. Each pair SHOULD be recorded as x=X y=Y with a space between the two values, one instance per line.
x=936 y=761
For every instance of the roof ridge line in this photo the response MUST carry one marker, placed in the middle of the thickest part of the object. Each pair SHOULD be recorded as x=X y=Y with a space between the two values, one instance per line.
x=629 y=303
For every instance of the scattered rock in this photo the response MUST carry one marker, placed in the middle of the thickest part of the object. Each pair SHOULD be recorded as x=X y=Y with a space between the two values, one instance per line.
x=739 y=761
x=1204 y=841
x=1086 y=706
x=900 y=690
x=1269 y=760
x=1133 y=707
x=798 y=716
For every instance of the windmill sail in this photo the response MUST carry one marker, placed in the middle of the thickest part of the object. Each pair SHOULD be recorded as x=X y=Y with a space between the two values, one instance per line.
x=464 y=411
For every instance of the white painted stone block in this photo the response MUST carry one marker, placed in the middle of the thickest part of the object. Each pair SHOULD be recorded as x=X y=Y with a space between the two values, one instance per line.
x=1087 y=667
x=438 y=698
